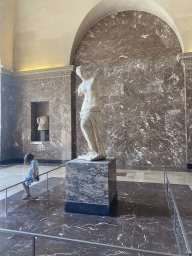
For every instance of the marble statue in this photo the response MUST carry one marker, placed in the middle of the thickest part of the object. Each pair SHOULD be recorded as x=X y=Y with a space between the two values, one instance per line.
x=43 y=122
x=89 y=115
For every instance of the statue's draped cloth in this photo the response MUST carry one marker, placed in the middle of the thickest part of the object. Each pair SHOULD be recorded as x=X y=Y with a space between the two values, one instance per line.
x=92 y=115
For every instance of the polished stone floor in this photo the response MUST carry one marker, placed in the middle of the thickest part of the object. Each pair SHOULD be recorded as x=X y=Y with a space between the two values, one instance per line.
x=12 y=174
x=142 y=220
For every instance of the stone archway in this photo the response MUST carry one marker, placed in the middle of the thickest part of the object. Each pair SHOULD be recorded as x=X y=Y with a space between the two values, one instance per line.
x=132 y=54
x=105 y=8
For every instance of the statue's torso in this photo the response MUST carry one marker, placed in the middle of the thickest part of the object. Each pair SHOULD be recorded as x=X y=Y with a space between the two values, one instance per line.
x=90 y=89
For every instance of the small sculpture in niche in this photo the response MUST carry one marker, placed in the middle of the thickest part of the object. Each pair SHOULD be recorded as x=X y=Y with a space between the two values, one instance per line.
x=43 y=122
x=90 y=112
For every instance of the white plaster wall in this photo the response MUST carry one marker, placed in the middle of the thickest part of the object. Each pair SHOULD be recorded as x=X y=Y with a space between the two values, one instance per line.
x=7 y=15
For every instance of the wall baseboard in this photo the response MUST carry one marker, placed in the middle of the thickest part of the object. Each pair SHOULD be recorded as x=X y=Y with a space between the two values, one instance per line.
x=12 y=161
x=49 y=161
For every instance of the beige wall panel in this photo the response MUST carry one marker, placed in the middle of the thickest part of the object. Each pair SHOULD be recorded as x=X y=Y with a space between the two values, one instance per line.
x=7 y=11
x=181 y=13
x=40 y=62
x=54 y=24
x=24 y=38
x=45 y=53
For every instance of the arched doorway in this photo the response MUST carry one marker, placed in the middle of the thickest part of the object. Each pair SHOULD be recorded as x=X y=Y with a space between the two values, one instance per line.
x=132 y=53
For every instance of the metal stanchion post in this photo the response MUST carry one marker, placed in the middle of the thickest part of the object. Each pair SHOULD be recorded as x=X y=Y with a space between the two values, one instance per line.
x=6 y=201
x=47 y=185
x=174 y=220
x=33 y=246
x=167 y=188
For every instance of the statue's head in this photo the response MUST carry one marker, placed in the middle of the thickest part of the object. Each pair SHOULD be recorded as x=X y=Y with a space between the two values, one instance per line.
x=81 y=72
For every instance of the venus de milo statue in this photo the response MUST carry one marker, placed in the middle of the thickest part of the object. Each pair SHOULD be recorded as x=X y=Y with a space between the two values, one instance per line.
x=90 y=112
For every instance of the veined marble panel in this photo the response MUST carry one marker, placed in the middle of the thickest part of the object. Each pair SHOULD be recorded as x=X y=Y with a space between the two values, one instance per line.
x=91 y=182
x=185 y=59
x=133 y=55
x=6 y=114
x=53 y=86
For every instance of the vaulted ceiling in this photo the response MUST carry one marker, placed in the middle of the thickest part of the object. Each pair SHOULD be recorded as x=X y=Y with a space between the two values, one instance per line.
x=45 y=33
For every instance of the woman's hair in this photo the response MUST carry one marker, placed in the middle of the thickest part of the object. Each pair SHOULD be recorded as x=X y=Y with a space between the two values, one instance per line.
x=28 y=158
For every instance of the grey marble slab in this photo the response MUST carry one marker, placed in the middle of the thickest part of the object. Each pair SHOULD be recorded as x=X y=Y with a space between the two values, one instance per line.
x=91 y=181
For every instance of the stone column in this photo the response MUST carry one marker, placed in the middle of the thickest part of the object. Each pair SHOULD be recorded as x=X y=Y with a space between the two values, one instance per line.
x=6 y=112
x=185 y=59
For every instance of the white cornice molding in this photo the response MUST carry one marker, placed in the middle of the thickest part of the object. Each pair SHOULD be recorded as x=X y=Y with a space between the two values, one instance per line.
x=40 y=73
x=185 y=59
x=45 y=73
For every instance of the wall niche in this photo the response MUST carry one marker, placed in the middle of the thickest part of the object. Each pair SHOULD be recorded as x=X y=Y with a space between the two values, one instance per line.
x=40 y=121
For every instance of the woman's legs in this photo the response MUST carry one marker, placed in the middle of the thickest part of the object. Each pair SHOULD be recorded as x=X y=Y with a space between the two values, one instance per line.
x=26 y=188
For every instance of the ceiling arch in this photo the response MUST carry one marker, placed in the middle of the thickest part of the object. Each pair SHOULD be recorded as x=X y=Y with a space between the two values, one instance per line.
x=106 y=7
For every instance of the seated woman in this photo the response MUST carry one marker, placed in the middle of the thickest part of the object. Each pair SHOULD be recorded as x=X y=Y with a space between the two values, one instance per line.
x=33 y=174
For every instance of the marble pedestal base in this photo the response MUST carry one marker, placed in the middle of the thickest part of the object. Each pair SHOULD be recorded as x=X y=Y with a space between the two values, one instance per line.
x=44 y=135
x=90 y=186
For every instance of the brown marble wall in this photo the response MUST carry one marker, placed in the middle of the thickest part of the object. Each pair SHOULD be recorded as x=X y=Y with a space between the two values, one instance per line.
x=53 y=86
x=6 y=114
x=189 y=114
x=186 y=61
x=133 y=55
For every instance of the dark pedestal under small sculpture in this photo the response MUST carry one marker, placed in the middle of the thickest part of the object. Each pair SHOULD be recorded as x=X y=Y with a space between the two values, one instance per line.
x=90 y=186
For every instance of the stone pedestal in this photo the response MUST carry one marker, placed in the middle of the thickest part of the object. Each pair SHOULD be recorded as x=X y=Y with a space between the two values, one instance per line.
x=90 y=186
x=42 y=135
